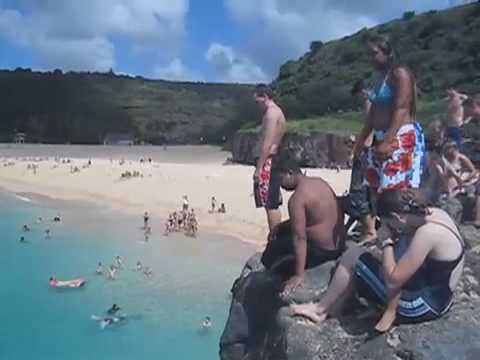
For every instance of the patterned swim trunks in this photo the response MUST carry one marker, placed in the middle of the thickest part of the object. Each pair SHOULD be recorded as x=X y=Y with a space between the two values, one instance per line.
x=405 y=166
x=267 y=190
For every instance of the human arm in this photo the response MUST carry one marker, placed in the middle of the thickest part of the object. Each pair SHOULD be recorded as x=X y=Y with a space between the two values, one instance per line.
x=398 y=273
x=404 y=96
x=269 y=128
x=364 y=134
x=297 y=212
x=468 y=165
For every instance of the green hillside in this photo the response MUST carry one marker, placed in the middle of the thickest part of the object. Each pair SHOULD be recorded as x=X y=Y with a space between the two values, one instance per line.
x=83 y=107
x=442 y=48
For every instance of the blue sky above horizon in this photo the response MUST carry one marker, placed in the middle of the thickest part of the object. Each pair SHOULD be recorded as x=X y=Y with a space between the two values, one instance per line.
x=198 y=40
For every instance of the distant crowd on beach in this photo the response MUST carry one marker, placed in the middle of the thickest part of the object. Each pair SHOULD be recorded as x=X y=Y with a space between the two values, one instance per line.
x=402 y=185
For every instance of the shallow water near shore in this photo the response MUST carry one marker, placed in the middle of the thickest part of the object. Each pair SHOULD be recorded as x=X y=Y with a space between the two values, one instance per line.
x=191 y=280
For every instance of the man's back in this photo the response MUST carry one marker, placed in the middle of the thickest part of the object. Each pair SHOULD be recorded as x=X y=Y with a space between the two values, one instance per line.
x=324 y=216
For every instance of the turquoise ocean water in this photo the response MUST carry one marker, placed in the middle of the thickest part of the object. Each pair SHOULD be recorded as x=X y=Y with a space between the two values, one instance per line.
x=192 y=279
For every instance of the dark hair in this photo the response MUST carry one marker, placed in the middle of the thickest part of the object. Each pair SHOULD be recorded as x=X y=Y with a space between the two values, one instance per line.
x=287 y=163
x=408 y=201
x=358 y=87
x=264 y=90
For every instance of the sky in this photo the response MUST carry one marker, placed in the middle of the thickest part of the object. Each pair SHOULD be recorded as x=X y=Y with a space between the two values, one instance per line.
x=242 y=41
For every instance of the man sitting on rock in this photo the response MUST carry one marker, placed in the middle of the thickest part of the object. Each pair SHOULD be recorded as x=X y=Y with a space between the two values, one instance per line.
x=315 y=232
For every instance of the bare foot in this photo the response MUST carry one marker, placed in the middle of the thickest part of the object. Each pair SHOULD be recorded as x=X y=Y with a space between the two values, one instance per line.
x=386 y=322
x=310 y=311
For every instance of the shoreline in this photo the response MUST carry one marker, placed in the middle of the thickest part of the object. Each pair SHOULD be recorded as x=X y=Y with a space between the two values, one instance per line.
x=159 y=191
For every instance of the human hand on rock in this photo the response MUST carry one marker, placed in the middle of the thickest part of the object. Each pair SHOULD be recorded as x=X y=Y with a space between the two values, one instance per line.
x=294 y=283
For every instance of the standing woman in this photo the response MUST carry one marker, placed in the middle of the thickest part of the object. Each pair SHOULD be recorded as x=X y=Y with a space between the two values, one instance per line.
x=395 y=161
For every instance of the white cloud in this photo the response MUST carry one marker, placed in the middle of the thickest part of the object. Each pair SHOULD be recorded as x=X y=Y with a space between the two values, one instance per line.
x=76 y=35
x=283 y=29
x=176 y=71
x=230 y=66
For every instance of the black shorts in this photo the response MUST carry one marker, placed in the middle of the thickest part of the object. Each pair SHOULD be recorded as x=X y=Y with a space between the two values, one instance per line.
x=281 y=249
x=416 y=305
x=267 y=190
x=359 y=193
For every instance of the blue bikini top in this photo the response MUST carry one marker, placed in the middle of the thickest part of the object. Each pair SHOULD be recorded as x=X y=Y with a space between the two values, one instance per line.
x=383 y=93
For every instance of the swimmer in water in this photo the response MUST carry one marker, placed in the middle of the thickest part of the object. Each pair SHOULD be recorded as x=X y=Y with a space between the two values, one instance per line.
x=47 y=234
x=26 y=228
x=147 y=271
x=113 y=310
x=207 y=323
x=139 y=266
x=100 y=269
x=107 y=321
x=22 y=239
x=118 y=262
x=111 y=272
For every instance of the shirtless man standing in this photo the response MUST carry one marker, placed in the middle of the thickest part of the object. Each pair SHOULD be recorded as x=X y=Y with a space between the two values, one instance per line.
x=315 y=232
x=265 y=178
x=455 y=119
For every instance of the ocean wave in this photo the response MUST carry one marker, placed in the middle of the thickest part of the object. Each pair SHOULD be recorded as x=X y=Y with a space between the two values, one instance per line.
x=23 y=198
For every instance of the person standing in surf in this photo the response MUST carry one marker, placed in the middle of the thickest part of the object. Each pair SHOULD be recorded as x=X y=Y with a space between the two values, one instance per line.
x=265 y=178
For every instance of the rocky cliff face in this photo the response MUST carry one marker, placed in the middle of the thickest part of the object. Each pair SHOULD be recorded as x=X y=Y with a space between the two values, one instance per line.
x=261 y=327
x=312 y=150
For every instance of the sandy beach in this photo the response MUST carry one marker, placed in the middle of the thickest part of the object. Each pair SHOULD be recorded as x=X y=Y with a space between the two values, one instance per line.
x=158 y=190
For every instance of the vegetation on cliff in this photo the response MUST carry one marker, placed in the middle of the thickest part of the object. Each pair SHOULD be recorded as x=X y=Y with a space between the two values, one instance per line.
x=83 y=107
x=441 y=47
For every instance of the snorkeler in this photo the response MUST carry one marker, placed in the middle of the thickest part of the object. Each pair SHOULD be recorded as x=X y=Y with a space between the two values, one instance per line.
x=113 y=310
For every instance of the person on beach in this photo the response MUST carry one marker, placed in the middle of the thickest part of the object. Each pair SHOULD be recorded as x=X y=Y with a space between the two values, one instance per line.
x=422 y=262
x=146 y=218
x=100 y=270
x=455 y=120
x=265 y=178
x=315 y=232
x=148 y=232
x=397 y=157
x=462 y=178
x=222 y=209
x=185 y=203
x=213 y=204
x=360 y=206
